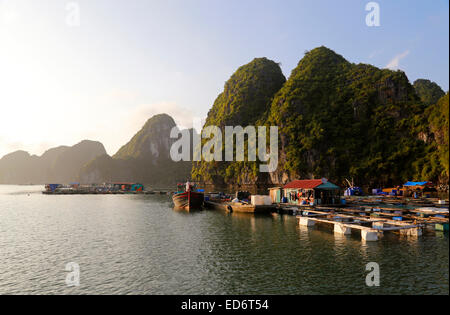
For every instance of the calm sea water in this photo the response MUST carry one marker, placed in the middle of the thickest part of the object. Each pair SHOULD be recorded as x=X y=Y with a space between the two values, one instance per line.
x=133 y=244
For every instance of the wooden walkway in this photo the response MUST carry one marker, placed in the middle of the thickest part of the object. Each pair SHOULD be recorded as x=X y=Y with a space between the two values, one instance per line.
x=344 y=224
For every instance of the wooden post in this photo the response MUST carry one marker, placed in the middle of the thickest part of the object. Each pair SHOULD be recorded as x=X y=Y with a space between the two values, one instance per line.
x=411 y=232
x=306 y=221
x=369 y=235
x=341 y=229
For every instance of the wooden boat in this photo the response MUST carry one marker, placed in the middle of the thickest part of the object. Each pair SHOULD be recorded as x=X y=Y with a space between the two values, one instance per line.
x=188 y=199
x=239 y=207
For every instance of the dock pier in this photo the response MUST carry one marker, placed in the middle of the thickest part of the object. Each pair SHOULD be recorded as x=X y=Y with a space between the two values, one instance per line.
x=118 y=192
x=369 y=228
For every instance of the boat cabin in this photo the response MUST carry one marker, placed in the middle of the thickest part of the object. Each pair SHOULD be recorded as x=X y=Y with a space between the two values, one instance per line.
x=311 y=192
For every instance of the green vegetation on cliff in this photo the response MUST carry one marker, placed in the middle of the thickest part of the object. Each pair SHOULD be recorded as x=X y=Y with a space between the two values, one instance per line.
x=245 y=100
x=336 y=119
x=145 y=158
x=429 y=92
x=247 y=94
x=440 y=127
x=153 y=135
x=435 y=164
x=342 y=120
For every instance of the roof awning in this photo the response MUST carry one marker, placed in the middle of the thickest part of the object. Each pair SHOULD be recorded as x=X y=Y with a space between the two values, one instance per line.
x=328 y=186
x=311 y=184
x=304 y=184
x=417 y=183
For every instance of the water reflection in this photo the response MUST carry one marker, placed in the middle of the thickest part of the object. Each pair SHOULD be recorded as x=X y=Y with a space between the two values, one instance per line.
x=138 y=244
x=184 y=210
x=303 y=232
x=340 y=240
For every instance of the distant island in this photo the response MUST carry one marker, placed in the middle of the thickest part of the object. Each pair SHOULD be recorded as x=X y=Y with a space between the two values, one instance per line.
x=336 y=119
x=145 y=159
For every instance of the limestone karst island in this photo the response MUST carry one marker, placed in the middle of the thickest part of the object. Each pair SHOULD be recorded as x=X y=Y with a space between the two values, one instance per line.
x=216 y=155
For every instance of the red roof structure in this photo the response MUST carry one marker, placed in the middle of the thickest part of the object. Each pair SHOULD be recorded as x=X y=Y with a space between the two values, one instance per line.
x=304 y=184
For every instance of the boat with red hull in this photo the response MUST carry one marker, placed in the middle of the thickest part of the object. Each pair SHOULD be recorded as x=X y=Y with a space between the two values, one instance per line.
x=188 y=200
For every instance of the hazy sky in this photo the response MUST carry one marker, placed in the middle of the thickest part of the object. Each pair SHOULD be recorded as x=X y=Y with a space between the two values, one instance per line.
x=126 y=60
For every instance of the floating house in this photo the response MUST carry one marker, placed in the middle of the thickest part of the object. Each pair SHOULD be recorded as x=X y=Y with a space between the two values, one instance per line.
x=312 y=192
x=416 y=189
x=52 y=187
x=276 y=194
x=409 y=189
x=417 y=185
x=128 y=186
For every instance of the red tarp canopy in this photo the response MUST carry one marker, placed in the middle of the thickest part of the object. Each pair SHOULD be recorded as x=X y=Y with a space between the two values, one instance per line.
x=304 y=184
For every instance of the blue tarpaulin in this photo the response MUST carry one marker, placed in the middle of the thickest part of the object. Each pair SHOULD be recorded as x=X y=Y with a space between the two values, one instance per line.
x=353 y=191
x=415 y=183
x=53 y=186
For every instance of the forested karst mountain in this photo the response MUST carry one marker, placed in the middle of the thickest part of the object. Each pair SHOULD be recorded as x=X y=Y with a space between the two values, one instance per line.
x=151 y=142
x=245 y=100
x=145 y=158
x=247 y=94
x=342 y=120
x=428 y=92
x=337 y=120
x=435 y=164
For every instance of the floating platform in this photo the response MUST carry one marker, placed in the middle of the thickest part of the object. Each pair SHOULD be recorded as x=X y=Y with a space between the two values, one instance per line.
x=396 y=215
x=119 y=192
x=441 y=227
x=370 y=229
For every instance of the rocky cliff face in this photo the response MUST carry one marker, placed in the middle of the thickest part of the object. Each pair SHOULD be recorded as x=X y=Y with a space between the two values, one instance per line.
x=436 y=163
x=151 y=142
x=342 y=120
x=336 y=119
x=245 y=100
x=247 y=94
x=57 y=165
x=434 y=132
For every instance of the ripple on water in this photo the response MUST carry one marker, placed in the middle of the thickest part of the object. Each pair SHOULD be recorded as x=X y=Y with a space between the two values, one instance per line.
x=139 y=245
